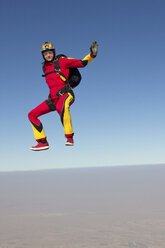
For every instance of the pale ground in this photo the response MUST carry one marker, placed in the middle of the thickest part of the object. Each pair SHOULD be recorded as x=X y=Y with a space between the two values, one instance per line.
x=115 y=207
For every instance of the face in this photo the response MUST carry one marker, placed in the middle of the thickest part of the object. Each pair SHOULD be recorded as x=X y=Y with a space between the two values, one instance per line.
x=48 y=55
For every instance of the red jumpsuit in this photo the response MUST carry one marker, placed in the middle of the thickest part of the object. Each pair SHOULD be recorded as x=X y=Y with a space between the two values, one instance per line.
x=62 y=103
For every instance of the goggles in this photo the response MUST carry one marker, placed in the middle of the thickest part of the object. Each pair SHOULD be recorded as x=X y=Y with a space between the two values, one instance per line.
x=47 y=46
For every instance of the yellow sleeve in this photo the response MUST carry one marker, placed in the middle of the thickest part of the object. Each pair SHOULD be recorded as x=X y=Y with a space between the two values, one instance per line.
x=88 y=58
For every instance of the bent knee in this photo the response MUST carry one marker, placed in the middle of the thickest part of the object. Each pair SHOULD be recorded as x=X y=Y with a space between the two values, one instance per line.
x=32 y=115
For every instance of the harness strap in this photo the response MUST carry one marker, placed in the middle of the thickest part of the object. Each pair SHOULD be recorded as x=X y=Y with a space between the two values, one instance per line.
x=50 y=104
x=44 y=75
x=56 y=70
x=62 y=76
x=61 y=92
x=64 y=90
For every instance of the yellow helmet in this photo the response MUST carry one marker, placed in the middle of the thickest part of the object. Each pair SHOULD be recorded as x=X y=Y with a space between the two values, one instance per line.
x=47 y=46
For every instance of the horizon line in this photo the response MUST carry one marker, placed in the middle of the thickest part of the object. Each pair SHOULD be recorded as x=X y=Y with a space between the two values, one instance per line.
x=82 y=167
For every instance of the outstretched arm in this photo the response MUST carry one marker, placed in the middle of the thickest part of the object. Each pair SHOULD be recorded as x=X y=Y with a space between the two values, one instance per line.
x=75 y=63
x=92 y=55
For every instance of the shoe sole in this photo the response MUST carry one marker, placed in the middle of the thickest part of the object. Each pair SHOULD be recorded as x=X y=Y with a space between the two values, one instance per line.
x=69 y=144
x=39 y=149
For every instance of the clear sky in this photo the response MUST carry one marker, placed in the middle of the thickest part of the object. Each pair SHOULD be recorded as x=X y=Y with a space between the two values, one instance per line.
x=118 y=116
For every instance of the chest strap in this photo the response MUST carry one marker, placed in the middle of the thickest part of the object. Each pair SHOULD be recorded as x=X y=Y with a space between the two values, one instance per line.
x=56 y=70
x=62 y=76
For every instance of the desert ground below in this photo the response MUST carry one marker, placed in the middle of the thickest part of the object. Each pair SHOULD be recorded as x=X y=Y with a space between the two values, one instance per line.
x=107 y=207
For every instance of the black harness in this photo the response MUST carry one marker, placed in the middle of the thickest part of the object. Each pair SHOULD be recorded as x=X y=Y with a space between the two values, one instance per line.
x=56 y=70
x=64 y=90
x=67 y=88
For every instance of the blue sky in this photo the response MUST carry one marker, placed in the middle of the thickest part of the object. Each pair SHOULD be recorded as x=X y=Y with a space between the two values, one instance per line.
x=118 y=116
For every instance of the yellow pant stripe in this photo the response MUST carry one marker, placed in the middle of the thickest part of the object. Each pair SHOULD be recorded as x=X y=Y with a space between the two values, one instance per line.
x=67 y=123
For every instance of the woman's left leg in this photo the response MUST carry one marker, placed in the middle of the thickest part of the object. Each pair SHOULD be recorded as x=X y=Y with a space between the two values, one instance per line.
x=62 y=106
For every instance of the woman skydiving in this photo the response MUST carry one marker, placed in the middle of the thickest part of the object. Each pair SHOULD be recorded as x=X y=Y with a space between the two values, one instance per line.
x=57 y=75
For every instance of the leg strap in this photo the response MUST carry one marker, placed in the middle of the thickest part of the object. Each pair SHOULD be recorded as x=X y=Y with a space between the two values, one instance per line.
x=50 y=104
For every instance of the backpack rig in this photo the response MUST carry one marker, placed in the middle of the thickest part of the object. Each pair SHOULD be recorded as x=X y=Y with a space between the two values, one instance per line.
x=74 y=74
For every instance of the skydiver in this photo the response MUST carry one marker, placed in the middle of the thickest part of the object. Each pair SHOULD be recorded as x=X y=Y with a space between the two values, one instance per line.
x=61 y=95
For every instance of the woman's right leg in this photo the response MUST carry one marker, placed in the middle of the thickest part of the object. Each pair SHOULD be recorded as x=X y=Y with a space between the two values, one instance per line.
x=37 y=126
x=62 y=107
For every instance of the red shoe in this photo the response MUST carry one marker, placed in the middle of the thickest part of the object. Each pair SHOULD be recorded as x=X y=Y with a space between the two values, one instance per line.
x=69 y=142
x=40 y=146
